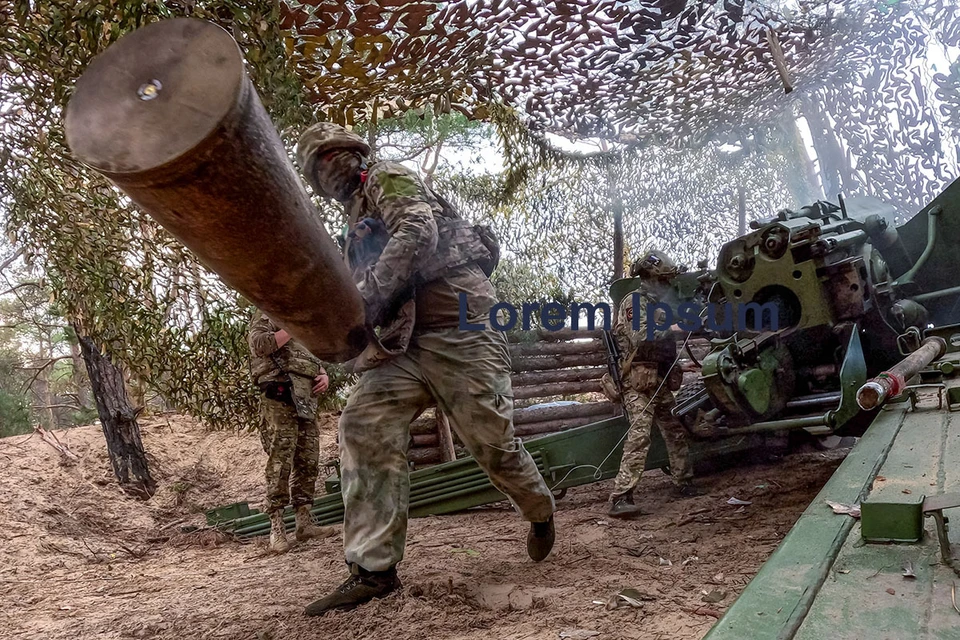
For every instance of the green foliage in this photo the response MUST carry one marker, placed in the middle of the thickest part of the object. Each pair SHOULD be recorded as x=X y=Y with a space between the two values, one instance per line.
x=14 y=414
x=113 y=271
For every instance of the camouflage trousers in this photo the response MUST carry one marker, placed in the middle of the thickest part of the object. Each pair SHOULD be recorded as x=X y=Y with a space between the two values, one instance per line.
x=293 y=450
x=644 y=412
x=467 y=375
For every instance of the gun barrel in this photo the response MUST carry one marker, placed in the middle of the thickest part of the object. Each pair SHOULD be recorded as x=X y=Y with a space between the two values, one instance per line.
x=891 y=383
x=170 y=116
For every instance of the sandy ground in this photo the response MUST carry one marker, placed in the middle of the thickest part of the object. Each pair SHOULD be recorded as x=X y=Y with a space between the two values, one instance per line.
x=79 y=559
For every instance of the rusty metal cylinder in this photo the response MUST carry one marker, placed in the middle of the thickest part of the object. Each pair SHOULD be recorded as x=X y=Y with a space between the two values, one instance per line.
x=170 y=116
x=892 y=382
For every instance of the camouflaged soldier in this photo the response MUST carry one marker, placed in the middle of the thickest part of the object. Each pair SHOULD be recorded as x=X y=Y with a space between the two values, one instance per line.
x=410 y=275
x=649 y=378
x=289 y=378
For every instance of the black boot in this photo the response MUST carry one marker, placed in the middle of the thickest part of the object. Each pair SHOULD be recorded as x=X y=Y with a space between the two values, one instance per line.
x=623 y=507
x=362 y=586
x=540 y=539
x=688 y=490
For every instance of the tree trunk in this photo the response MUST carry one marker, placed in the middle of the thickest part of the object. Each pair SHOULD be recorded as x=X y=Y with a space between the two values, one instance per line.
x=557 y=375
x=542 y=363
x=616 y=208
x=83 y=396
x=567 y=412
x=43 y=398
x=445 y=438
x=796 y=150
x=555 y=348
x=557 y=389
x=119 y=421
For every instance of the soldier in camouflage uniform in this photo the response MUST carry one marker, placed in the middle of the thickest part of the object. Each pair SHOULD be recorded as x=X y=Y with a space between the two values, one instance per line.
x=290 y=378
x=411 y=276
x=649 y=378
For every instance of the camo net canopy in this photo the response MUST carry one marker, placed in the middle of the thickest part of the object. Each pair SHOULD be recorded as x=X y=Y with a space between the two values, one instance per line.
x=653 y=71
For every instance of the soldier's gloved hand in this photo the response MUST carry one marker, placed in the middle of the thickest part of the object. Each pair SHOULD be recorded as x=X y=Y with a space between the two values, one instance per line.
x=368 y=227
x=321 y=384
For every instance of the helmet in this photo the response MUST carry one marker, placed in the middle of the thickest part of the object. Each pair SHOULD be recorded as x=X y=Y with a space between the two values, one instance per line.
x=323 y=137
x=654 y=264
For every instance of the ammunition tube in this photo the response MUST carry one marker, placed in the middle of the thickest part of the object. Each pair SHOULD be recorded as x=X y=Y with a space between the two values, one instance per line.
x=169 y=115
x=892 y=382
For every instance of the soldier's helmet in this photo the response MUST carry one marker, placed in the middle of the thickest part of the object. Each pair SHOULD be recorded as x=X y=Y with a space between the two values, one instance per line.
x=323 y=137
x=654 y=264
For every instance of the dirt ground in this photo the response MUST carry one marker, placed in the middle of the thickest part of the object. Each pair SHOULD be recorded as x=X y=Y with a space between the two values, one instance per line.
x=79 y=559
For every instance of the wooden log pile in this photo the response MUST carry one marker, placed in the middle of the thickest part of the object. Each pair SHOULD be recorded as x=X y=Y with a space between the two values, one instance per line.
x=547 y=366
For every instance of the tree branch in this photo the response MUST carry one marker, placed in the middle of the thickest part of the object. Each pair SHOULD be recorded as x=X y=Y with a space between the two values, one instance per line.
x=11 y=259
x=20 y=286
x=39 y=370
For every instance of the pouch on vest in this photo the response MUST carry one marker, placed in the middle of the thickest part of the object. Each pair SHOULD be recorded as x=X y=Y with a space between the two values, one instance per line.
x=643 y=377
x=278 y=391
x=489 y=240
x=609 y=388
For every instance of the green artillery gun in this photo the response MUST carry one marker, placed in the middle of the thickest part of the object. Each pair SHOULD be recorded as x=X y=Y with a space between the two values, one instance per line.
x=829 y=295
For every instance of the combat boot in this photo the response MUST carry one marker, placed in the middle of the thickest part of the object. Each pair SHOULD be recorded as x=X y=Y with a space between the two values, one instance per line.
x=622 y=506
x=687 y=490
x=540 y=539
x=305 y=527
x=362 y=586
x=278 y=532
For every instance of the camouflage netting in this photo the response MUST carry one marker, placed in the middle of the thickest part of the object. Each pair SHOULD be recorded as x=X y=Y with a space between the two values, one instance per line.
x=658 y=70
x=661 y=72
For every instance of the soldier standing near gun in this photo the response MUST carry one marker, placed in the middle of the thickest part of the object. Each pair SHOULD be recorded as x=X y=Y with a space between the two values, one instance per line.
x=412 y=257
x=289 y=378
x=648 y=379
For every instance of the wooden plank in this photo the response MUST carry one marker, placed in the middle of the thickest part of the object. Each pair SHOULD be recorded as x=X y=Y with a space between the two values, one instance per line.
x=425 y=455
x=554 y=426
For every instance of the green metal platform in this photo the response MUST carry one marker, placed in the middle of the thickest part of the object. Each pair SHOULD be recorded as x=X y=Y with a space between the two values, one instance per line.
x=566 y=459
x=825 y=581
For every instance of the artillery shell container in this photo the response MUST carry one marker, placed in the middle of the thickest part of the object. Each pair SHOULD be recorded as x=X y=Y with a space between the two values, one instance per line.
x=169 y=115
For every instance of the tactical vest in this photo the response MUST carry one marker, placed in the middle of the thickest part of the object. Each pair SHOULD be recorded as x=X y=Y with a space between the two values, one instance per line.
x=459 y=242
x=663 y=352
x=291 y=358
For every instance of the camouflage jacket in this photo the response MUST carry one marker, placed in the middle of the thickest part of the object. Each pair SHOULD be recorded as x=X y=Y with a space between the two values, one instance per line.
x=427 y=238
x=291 y=362
x=428 y=258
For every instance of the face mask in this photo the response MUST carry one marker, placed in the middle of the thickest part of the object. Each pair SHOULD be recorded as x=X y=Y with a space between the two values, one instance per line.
x=337 y=174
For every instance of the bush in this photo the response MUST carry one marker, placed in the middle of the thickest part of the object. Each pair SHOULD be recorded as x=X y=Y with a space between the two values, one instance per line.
x=14 y=414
